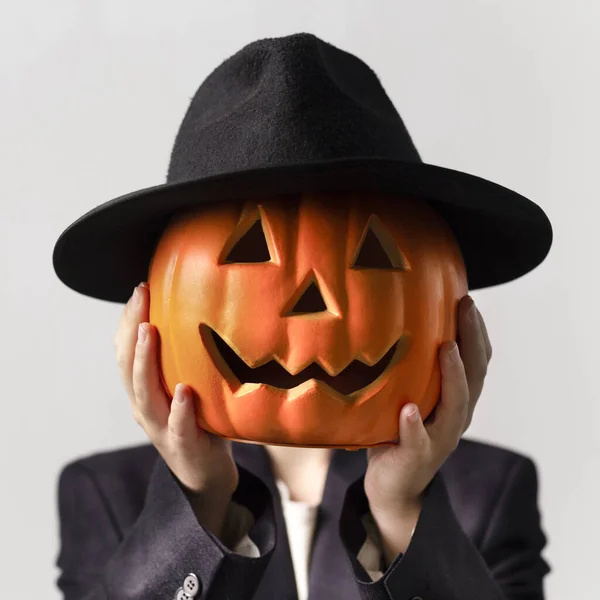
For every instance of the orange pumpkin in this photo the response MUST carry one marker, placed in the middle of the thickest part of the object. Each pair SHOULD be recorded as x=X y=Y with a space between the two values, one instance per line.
x=306 y=321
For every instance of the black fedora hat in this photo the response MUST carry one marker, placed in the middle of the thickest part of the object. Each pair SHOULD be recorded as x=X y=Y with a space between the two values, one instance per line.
x=286 y=116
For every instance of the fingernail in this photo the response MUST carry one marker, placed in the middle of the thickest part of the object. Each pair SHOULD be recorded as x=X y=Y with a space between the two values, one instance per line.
x=180 y=394
x=453 y=353
x=472 y=310
x=413 y=413
x=142 y=333
x=137 y=294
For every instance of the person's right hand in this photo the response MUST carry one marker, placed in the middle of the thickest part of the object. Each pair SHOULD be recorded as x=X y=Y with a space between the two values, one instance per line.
x=202 y=462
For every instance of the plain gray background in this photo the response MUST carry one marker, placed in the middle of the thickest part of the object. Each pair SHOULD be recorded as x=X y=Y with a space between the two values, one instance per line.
x=92 y=93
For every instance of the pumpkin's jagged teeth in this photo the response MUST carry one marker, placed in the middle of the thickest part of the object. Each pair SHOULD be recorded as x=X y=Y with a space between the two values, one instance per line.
x=247 y=388
x=371 y=360
x=329 y=369
x=355 y=376
x=299 y=367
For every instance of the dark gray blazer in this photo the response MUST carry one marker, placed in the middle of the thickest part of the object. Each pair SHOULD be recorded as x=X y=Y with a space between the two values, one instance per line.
x=128 y=532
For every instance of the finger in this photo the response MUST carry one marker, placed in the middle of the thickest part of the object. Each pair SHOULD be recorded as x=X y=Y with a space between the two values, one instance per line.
x=472 y=348
x=134 y=313
x=452 y=409
x=151 y=400
x=486 y=337
x=413 y=435
x=182 y=418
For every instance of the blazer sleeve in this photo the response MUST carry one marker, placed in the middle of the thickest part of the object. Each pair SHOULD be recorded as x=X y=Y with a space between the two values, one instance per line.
x=443 y=562
x=164 y=550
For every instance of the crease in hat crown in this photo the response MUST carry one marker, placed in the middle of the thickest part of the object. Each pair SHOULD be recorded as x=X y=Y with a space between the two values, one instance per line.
x=278 y=100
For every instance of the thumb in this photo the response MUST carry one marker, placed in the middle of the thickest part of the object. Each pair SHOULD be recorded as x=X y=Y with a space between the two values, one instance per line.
x=413 y=435
x=182 y=421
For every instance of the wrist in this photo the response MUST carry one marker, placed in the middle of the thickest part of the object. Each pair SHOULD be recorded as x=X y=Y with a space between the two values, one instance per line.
x=396 y=526
x=397 y=507
x=211 y=515
x=210 y=509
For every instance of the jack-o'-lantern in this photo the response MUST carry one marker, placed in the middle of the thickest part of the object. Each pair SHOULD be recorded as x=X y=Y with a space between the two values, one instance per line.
x=308 y=320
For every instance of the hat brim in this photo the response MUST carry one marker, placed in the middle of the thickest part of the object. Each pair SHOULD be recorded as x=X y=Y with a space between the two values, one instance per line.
x=502 y=234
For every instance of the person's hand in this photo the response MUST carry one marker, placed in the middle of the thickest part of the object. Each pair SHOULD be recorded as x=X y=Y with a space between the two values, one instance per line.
x=201 y=461
x=398 y=475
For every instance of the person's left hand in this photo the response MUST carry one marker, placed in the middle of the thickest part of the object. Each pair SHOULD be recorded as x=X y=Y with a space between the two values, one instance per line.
x=398 y=475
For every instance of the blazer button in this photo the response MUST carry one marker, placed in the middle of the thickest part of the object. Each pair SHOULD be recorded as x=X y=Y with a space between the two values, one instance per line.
x=181 y=595
x=416 y=598
x=191 y=585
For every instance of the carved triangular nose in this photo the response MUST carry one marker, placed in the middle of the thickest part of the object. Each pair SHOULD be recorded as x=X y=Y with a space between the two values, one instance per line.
x=311 y=301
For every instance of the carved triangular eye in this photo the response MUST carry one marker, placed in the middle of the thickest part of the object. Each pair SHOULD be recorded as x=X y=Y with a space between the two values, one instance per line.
x=378 y=249
x=251 y=247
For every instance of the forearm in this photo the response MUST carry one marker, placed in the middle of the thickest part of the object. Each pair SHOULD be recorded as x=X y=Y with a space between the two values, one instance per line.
x=212 y=512
x=163 y=545
x=395 y=526
x=441 y=560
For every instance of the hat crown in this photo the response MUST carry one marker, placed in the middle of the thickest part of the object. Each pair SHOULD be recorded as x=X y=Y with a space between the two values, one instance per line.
x=287 y=116
x=293 y=99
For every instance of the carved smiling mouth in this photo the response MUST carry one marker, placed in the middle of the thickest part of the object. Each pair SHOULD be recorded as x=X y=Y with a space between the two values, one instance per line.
x=354 y=377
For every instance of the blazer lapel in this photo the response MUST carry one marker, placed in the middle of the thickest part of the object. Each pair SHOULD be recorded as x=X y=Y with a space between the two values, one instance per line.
x=331 y=574
x=278 y=580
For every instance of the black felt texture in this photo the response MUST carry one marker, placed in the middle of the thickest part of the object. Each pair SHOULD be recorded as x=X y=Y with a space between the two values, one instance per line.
x=283 y=117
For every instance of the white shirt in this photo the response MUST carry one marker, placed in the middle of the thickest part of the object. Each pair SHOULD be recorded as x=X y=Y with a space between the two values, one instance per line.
x=300 y=519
